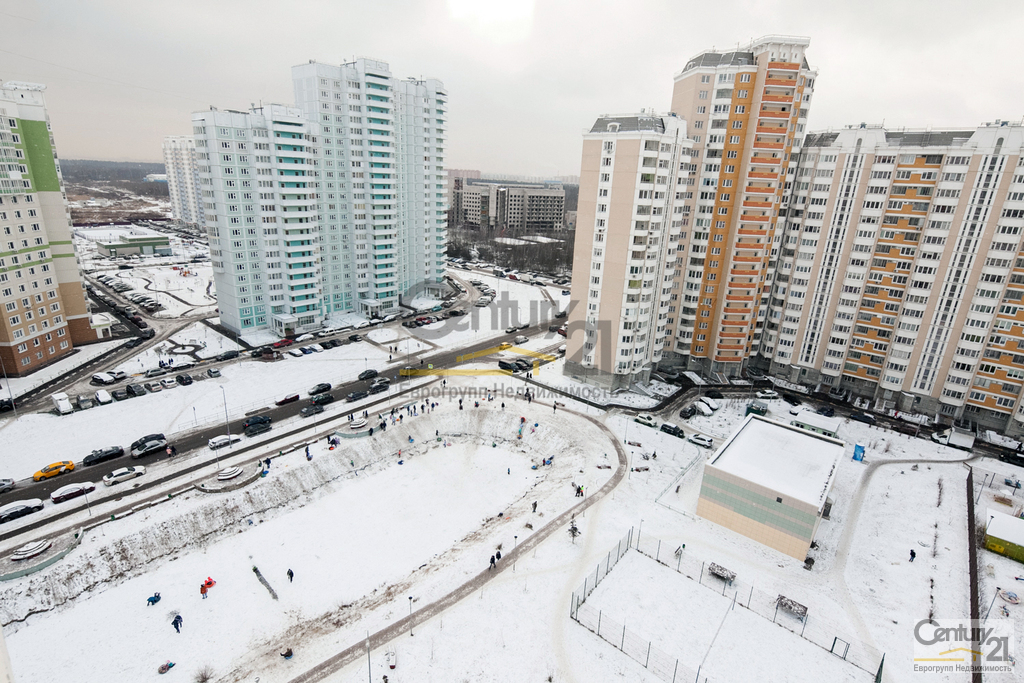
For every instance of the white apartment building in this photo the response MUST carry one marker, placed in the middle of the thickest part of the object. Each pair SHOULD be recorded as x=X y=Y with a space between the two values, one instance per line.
x=383 y=200
x=259 y=200
x=183 y=179
x=625 y=251
x=338 y=205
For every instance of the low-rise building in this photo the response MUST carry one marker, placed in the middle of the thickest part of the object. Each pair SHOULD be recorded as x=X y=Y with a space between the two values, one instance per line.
x=770 y=482
x=1004 y=534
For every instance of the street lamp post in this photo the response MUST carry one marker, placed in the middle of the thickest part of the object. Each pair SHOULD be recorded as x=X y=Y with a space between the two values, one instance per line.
x=410 y=615
x=10 y=390
x=227 y=424
x=515 y=544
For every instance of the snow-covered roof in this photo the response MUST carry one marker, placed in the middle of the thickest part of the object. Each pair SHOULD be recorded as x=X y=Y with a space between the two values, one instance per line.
x=1005 y=527
x=809 y=417
x=792 y=461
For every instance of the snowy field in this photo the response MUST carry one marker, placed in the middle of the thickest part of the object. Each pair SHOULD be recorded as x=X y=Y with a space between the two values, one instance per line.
x=180 y=290
x=195 y=342
x=382 y=521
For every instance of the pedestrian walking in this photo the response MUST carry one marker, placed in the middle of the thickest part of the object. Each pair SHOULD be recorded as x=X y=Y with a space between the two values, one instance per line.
x=267 y=463
x=503 y=405
x=912 y=554
x=291 y=575
x=534 y=506
x=491 y=567
x=307 y=451
x=497 y=555
x=174 y=450
x=203 y=590
x=510 y=470
x=178 y=621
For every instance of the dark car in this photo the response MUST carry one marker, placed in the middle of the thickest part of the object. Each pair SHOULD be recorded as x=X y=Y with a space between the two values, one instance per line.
x=356 y=395
x=311 y=410
x=561 y=314
x=553 y=328
x=669 y=428
x=6 y=404
x=323 y=399
x=184 y=380
x=72 y=491
x=907 y=428
x=120 y=395
x=148 y=444
x=355 y=338
x=290 y=398
x=687 y=412
x=256 y=420
x=377 y=388
x=135 y=390
x=258 y=428
x=507 y=365
x=103 y=455
x=863 y=417
x=141 y=324
x=228 y=355
x=827 y=411
x=133 y=342
x=320 y=388
x=367 y=374
x=148 y=334
x=714 y=393
x=524 y=365
x=19 y=508
x=792 y=399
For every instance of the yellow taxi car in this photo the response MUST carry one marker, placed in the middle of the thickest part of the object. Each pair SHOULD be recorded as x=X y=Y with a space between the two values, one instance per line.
x=504 y=345
x=53 y=470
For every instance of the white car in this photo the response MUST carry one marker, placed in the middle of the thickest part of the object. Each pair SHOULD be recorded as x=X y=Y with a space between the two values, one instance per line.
x=647 y=419
x=767 y=394
x=304 y=337
x=168 y=383
x=796 y=410
x=389 y=318
x=123 y=474
x=701 y=440
x=521 y=339
x=223 y=440
x=361 y=325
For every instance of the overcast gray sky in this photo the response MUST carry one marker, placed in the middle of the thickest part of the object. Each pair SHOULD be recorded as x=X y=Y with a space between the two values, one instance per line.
x=524 y=78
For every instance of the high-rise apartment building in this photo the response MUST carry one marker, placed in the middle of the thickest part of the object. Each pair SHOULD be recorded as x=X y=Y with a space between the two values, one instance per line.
x=338 y=205
x=625 y=251
x=41 y=288
x=900 y=274
x=383 y=189
x=183 y=180
x=746 y=111
x=530 y=208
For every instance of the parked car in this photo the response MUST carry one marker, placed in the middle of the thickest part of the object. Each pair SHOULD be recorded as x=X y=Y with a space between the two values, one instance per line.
x=222 y=441
x=709 y=402
x=120 y=394
x=213 y=372
x=150 y=443
x=767 y=394
x=155 y=372
x=670 y=428
x=168 y=383
x=256 y=429
x=228 y=355
x=713 y=393
x=19 y=508
x=827 y=411
x=102 y=379
x=866 y=418
x=295 y=353
x=521 y=339
x=320 y=388
x=355 y=338
x=153 y=387
x=701 y=440
x=323 y=399
x=792 y=399
x=367 y=374
x=290 y=398
x=646 y=419
x=72 y=491
x=135 y=390
x=524 y=365
x=54 y=469
x=561 y=331
x=123 y=474
x=184 y=380
x=6 y=485
x=378 y=388
x=133 y=342
x=561 y=314
x=281 y=343
x=355 y=396
x=687 y=412
x=103 y=397
x=256 y=420
x=508 y=365
x=309 y=411
x=102 y=455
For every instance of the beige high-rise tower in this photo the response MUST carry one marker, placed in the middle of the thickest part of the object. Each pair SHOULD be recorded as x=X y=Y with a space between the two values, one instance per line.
x=746 y=111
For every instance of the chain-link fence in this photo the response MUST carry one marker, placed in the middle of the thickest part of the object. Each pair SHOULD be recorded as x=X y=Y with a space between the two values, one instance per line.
x=663 y=665
x=786 y=611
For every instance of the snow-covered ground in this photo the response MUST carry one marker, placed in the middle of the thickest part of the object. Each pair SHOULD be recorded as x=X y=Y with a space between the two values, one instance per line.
x=362 y=545
x=552 y=376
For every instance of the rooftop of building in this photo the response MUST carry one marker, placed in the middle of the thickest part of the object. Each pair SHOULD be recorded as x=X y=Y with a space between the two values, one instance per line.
x=809 y=417
x=792 y=461
x=631 y=123
x=909 y=137
x=1005 y=527
x=744 y=55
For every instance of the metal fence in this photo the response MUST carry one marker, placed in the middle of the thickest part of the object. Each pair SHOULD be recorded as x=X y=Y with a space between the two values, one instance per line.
x=665 y=666
x=765 y=603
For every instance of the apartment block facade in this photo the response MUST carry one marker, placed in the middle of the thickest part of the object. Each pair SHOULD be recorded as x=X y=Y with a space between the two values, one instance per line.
x=183 y=180
x=900 y=274
x=337 y=205
x=625 y=248
x=41 y=289
x=383 y=189
x=746 y=112
x=522 y=209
